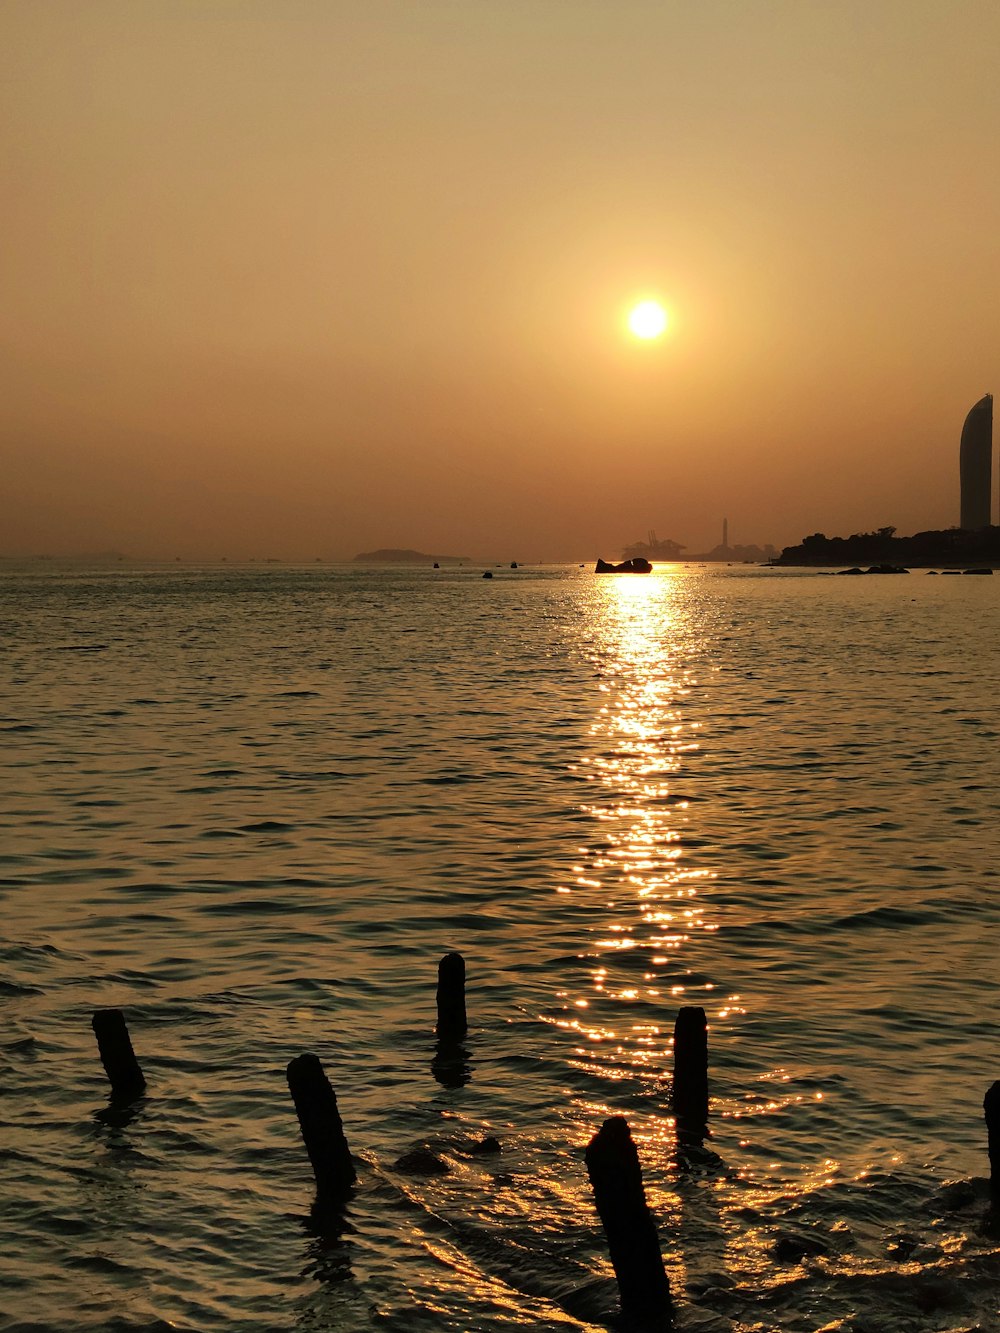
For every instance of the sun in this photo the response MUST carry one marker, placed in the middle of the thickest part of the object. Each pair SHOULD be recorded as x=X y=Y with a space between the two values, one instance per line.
x=648 y=319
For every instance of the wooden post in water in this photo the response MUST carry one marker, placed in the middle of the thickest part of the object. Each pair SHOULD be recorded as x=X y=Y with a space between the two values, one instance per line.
x=616 y=1177
x=991 y=1109
x=691 y=1075
x=117 y=1055
x=452 y=1024
x=322 y=1129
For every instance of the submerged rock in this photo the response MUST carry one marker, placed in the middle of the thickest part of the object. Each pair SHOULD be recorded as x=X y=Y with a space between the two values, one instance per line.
x=789 y=1249
x=487 y=1145
x=422 y=1162
x=901 y=1247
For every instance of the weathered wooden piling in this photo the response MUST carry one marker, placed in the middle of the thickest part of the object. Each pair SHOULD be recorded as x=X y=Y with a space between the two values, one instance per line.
x=117 y=1055
x=991 y=1109
x=452 y=1024
x=322 y=1129
x=616 y=1177
x=691 y=1075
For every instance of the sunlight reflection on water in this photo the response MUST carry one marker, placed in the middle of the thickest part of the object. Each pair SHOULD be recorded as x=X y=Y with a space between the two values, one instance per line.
x=644 y=647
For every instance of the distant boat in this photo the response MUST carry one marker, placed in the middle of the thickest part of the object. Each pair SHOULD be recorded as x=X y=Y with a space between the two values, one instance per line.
x=637 y=565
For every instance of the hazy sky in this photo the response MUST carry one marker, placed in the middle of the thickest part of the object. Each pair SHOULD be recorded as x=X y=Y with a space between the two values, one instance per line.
x=301 y=278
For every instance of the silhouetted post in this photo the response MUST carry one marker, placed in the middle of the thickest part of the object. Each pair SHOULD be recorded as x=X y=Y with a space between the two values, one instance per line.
x=616 y=1177
x=991 y=1109
x=691 y=1075
x=117 y=1055
x=452 y=1024
x=322 y=1129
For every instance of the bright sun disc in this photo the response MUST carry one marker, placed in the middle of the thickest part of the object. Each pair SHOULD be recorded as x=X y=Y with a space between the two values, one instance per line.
x=648 y=319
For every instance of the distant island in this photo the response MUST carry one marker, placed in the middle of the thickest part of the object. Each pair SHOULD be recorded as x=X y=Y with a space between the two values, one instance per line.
x=73 y=558
x=390 y=556
x=950 y=546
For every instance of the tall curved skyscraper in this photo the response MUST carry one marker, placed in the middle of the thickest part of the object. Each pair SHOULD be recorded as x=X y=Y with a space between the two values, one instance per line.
x=976 y=465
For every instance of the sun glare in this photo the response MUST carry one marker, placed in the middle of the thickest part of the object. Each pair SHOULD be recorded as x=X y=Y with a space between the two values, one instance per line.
x=648 y=319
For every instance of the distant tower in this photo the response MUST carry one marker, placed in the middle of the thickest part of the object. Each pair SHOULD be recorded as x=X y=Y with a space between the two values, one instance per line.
x=725 y=534
x=976 y=465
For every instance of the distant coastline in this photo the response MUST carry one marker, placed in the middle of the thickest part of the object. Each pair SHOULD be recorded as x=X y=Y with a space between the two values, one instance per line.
x=671 y=552
x=949 y=546
x=392 y=556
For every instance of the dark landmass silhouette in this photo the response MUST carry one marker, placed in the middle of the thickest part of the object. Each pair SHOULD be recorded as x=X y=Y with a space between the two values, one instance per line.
x=392 y=556
x=950 y=546
x=637 y=565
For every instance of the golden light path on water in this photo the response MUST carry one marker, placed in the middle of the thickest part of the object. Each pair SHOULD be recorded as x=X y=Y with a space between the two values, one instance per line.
x=653 y=910
x=640 y=739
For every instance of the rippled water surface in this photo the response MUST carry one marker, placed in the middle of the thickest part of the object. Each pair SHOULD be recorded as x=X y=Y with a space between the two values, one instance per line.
x=253 y=807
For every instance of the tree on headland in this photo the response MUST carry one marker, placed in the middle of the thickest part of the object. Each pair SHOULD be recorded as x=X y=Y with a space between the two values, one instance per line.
x=937 y=547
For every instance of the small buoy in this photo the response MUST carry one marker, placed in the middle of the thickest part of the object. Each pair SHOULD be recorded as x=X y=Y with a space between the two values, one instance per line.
x=436 y=565
x=488 y=574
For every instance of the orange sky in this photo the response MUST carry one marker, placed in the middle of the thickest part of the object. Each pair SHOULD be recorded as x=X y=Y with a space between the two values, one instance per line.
x=301 y=278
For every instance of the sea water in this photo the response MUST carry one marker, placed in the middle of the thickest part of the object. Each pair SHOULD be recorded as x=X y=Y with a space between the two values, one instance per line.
x=253 y=807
